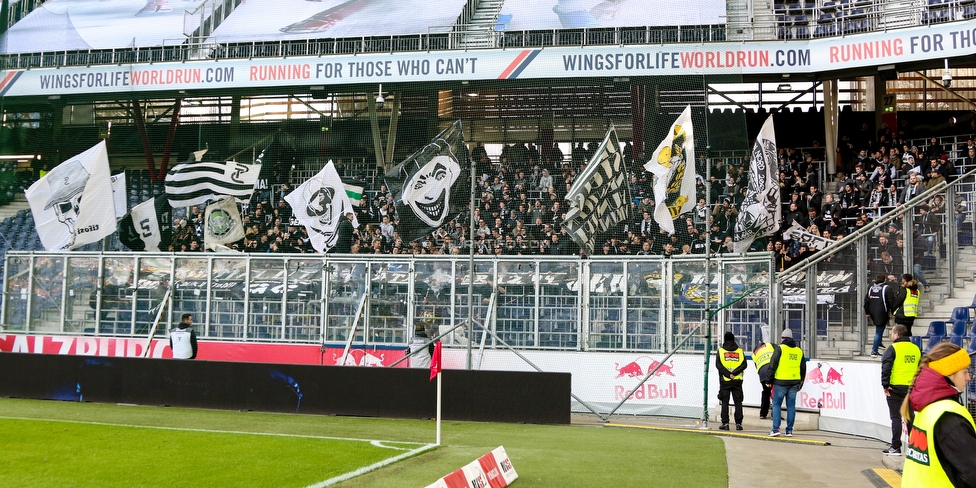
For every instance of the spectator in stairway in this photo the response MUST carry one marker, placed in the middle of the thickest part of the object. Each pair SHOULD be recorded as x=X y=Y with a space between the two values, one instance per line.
x=876 y=200
x=814 y=198
x=934 y=177
x=926 y=228
x=841 y=181
x=960 y=211
x=918 y=253
x=878 y=305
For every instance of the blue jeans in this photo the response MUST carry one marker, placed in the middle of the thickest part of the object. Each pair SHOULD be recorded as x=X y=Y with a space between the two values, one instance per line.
x=779 y=393
x=878 y=335
x=917 y=268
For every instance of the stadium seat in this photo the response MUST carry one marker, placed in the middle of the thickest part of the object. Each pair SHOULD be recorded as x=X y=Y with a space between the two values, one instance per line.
x=960 y=313
x=957 y=340
x=917 y=340
x=958 y=328
x=933 y=341
x=821 y=328
x=937 y=328
x=972 y=346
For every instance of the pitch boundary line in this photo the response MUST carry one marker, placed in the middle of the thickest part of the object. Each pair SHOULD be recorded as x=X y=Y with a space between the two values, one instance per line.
x=375 y=442
x=722 y=434
x=372 y=467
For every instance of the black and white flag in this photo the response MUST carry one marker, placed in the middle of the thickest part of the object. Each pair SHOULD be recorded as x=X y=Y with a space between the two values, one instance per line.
x=196 y=183
x=600 y=197
x=761 y=212
x=222 y=224
x=320 y=204
x=431 y=185
x=148 y=227
x=72 y=204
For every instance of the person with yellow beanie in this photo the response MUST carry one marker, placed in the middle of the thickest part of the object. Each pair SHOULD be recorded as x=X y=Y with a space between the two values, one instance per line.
x=942 y=438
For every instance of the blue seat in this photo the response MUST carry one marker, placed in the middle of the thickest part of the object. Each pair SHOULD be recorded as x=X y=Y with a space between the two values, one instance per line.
x=972 y=346
x=933 y=341
x=960 y=313
x=937 y=328
x=821 y=328
x=917 y=340
x=958 y=328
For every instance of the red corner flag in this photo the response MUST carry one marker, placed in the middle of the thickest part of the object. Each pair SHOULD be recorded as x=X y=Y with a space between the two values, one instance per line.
x=435 y=361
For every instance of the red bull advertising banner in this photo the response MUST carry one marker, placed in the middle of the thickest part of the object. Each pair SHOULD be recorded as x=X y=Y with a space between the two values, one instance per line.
x=247 y=352
x=493 y=470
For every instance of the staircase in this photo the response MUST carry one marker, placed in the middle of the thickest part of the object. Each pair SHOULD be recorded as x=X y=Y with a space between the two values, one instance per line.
x=937 y=305
x=479 y=31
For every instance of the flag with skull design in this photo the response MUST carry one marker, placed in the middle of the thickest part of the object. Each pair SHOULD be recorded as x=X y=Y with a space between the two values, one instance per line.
x=320 y=204
x=432 y=185
x=72 y=204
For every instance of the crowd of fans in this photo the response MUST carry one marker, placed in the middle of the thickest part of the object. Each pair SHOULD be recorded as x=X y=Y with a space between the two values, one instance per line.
x=522 y=205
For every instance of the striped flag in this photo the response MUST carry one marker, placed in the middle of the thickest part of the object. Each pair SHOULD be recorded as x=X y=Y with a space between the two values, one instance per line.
x=761 y=211
x=673 y=165
x=354 y=192
x=195 y=183
x=600 y=197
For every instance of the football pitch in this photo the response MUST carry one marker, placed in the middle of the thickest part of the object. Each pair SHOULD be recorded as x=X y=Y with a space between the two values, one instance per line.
x=50 y=443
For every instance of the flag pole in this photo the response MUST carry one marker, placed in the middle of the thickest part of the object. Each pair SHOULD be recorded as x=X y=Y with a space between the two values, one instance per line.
x=438 y=442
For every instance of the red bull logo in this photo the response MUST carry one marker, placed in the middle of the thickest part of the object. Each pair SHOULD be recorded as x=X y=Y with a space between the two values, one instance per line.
x=825 y=376
x=637 y=369
x=359 y=357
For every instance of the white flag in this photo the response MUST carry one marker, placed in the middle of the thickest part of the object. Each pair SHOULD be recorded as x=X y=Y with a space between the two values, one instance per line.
x=761 y=212
x=673 y=165
x=222 y=223
x=118 y=194
x=72 y=204
x=600 y=197
x=320 y=204
x=149 y=226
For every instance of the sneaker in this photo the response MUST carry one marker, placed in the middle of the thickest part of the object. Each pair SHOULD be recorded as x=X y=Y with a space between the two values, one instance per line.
x=738 y=426
x=881 y=347
x=789 y=434
x=891 y=451
x=773 y=433
x=723 y=427
x=763 y=417
x=875 y=355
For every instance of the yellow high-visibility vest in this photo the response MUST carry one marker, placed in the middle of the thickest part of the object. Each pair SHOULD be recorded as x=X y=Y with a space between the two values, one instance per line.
x=763 y=355
x=922 y=466
x=907 y=358
x=789 y=363
x=731 y=360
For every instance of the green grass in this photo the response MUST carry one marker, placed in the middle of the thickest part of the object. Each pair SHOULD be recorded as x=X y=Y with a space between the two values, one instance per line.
x=48 y=453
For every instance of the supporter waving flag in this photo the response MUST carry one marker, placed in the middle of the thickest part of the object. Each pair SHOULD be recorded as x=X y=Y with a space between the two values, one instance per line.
x=761 y=211
x=223 y=224
x=431 y=185
x=673 y=165
x=600 y=197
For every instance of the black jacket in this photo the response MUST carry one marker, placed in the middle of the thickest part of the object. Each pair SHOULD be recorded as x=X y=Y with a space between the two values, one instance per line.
x=879 y=303
x=774 y=363
x=887 y=361
x=722 y=370
x=957 y=442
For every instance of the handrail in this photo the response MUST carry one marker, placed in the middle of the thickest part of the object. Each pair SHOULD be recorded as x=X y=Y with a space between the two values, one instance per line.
x=866 y=230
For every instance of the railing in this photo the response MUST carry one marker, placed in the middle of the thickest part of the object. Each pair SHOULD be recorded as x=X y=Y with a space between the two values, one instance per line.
x=791 y=23
x=823 y=295
x=634 y=304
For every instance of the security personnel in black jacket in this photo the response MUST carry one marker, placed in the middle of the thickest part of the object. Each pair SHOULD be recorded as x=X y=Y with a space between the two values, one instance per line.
x=730 y=362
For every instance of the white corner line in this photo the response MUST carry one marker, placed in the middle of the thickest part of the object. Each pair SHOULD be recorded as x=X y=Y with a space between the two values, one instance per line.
x=373 y=467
